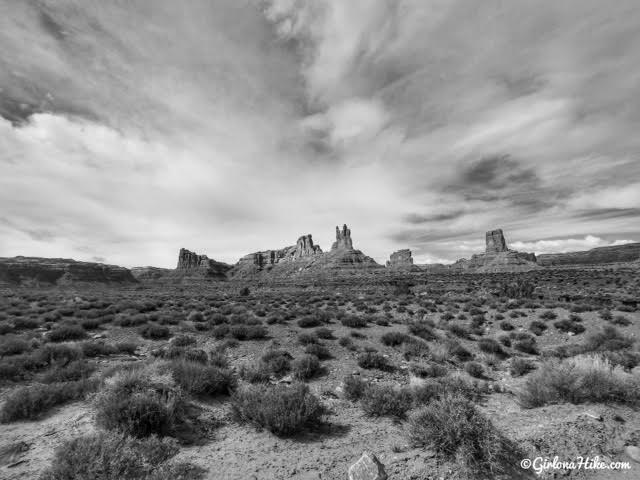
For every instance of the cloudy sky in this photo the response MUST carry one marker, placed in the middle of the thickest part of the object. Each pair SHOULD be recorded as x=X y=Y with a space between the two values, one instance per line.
x=129 y=129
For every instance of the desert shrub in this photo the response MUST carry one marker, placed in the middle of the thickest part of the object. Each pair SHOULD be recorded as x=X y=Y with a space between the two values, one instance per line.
x=30 y=403
x=527 y=345
x=256 y=372
x=353 y=321
x=74 y=371
x=415 y=348
x=154 y=332
x=277 y=362
x=385 y=400
x=220 y=331
x=51 y=354
x=474 y=369
x=423 y=331
x=283 y=410
x=141 y=402
x=381 y=321
x=307 y=338
x=393 y=339
x=609 y=338
x=568 y=325
x=455 y=349
x=346 y=342
x=537 y=327
x=620 y=320
x=91 y=323
x=517 y=289
x=120 y=458
x=11 y=345
x=318 y=350
x=505 y=340
x=371 y=360
x=198 y=379
x=305 y=367
x=520 y=366
x=65 y=333
x=245 y=292
x=506 y=326
x=324 y=333
x=248 y=332
x=183 y=341
x=195 y=316
x=489 y=345
x=24 y=323
x=127 y=320
x=309 y=322
x=354 y=387
x=454 y=428
x=606 y=315
x=548 y=315
x=432 y=370
x=580 y=379
x=458 y=330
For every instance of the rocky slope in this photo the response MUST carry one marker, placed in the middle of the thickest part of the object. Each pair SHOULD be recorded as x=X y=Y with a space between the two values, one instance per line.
x=619 y=253
x=59 y=271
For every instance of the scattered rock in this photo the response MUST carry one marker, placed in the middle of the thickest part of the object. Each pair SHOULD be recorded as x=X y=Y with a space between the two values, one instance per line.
x=633 y=452
x=368 y=467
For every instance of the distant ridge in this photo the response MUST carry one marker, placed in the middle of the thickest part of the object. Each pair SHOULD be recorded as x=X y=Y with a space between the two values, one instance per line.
x=629 y=252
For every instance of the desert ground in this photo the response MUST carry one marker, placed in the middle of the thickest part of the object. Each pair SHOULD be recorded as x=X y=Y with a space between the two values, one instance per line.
x=443 y=376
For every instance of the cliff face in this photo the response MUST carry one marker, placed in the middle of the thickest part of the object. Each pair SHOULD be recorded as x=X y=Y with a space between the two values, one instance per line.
x=191 y=263
x=619 y=253
x=59 y=271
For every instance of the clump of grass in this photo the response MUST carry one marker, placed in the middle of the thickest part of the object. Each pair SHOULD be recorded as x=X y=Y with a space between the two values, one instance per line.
x=154 y=332
x=370 y=360
x=353 y=387
x=454 y=428
x=65 y=333
x=309 y=322
x=584 y=378
x=537 y=327
x=12 y=345
x=120 y=457
x=521 y=366
x=490 y=345
x=548 y=315
x=385 y=400
x=353 y=321
x=198 y=379
x=30 y=403
x=141 y=402
x=305 y=367
x=324 y=333
x=248 y=332
x=283 y=410
x=393 y=339
x=318 y=350
x=567 y=325
x=474 y=369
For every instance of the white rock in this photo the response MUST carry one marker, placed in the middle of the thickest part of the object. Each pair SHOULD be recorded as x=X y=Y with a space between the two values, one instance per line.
x=368 y=467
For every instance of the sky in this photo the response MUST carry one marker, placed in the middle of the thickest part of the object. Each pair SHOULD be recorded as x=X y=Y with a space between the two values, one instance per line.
x=130 y=129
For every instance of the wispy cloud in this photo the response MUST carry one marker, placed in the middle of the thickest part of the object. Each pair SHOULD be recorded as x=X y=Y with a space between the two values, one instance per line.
x=225 y=126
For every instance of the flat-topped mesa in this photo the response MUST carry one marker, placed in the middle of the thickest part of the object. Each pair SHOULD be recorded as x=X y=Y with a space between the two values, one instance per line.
x=495 y=242
x=343 y=239
x=188 y=259
x=190 y=264
x=401 y=258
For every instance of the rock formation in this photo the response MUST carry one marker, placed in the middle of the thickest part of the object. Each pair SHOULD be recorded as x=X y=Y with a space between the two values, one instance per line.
x=495 y=242
x=497 y=258
x=629 y=252
x=305 y=247
x=401 y=258
x=59 y=271
x=305 y=256
x=343 y=239
x=191 y=263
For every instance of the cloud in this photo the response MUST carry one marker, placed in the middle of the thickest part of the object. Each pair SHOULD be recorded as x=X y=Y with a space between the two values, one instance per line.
x=131 y=129
x=565 y=245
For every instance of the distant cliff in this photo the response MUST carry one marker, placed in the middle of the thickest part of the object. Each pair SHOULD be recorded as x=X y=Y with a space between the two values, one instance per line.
x=59 y=271
x=619 y=253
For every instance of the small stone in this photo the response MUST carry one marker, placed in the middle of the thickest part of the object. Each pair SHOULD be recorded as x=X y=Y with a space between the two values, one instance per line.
x=633 y=453
x=368 y=467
